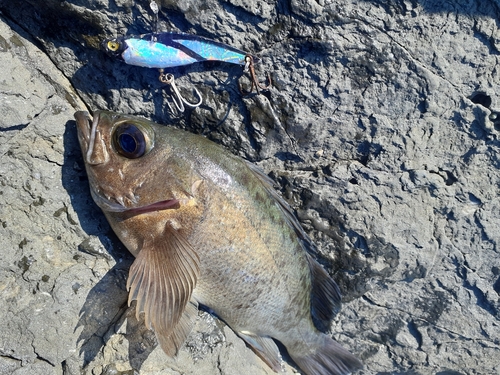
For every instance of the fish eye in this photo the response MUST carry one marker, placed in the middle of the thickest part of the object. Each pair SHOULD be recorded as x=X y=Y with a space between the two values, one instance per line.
x=113 y=45
x=130 y=141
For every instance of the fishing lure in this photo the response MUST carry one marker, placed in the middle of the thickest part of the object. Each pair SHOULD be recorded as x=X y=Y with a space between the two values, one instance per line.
x=167 y=49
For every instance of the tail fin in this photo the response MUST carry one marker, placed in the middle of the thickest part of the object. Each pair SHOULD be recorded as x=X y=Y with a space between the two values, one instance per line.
x=329 y=358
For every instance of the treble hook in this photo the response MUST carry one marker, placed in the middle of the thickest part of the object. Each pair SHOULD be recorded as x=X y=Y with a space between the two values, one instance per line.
x=249 y=68
x=178 y=99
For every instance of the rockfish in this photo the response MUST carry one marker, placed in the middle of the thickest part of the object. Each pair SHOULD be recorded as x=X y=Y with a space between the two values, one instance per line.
x=207 y=228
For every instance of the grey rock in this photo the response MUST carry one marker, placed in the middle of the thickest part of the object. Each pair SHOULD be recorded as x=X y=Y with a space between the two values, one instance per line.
x=381 y=130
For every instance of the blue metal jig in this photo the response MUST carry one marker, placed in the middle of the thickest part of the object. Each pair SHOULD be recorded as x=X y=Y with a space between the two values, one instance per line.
x=167 y=50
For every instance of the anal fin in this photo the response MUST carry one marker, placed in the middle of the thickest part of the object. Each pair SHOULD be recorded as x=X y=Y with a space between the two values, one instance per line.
x=265 y=348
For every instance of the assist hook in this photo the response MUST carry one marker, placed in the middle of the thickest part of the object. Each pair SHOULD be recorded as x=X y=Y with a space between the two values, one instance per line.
x=250 y=68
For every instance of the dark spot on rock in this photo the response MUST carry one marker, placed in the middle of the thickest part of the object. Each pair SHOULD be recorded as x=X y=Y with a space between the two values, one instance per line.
x=473 y=199
x=112 y=370
x=353 y=181
x=368 y=151
x=482 y=99
x=45 y=278
x=451 y=179
x=450 y=216
x=39 y=202
x=55 y=109
x=93 y=246
x=360 y=261
x=76 y=287
x=433 y=306
x=418 y=272
x=15 y=40
x=284 y=156
x=422 y=106
x=327 y=170
x=4 y=45
x=495 y=270
x=394 y=325
x=496 y=286
x=23 y=243
x=14 y=127
x=307 y=196
x=25 y=263
x=413 y=329
x=60 y=211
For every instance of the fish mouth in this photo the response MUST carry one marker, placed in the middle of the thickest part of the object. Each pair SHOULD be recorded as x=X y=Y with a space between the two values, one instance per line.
x=82 y=122
x=86 y=127
x=117 y=205
x=158 y=206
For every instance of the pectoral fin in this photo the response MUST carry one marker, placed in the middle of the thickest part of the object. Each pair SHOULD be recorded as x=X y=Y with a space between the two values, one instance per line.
x=162 y=279
x=171 y=340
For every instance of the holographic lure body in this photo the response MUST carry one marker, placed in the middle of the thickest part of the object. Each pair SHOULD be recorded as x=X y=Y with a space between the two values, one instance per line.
x=167 y=50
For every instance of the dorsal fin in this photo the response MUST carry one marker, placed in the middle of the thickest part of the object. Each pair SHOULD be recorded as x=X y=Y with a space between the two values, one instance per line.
x=325 y=295
x=268 y=183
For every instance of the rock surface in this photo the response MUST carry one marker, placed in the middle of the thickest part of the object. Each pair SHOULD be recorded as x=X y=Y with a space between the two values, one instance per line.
x=381 y=130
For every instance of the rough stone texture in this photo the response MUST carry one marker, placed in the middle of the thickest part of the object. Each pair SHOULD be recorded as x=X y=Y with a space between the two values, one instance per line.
x=381 y=130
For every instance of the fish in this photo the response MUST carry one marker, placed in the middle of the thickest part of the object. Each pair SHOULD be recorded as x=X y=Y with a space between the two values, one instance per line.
x=207 y=229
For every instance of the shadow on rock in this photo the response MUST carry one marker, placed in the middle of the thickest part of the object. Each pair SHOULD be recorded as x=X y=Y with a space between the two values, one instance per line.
x=102 y=311
x=105 y=308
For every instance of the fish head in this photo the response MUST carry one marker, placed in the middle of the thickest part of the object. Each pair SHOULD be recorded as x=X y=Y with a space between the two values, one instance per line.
x=131 y=166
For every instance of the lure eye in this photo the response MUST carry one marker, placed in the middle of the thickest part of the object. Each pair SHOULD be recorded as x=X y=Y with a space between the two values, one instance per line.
x=130 y=141
x=113 y=45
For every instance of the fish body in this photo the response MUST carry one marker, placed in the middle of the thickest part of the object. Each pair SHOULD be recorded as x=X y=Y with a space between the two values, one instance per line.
x=167 y=50
x=207 y=228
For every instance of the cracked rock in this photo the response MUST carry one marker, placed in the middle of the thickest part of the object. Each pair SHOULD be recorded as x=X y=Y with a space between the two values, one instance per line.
x=381 y=130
